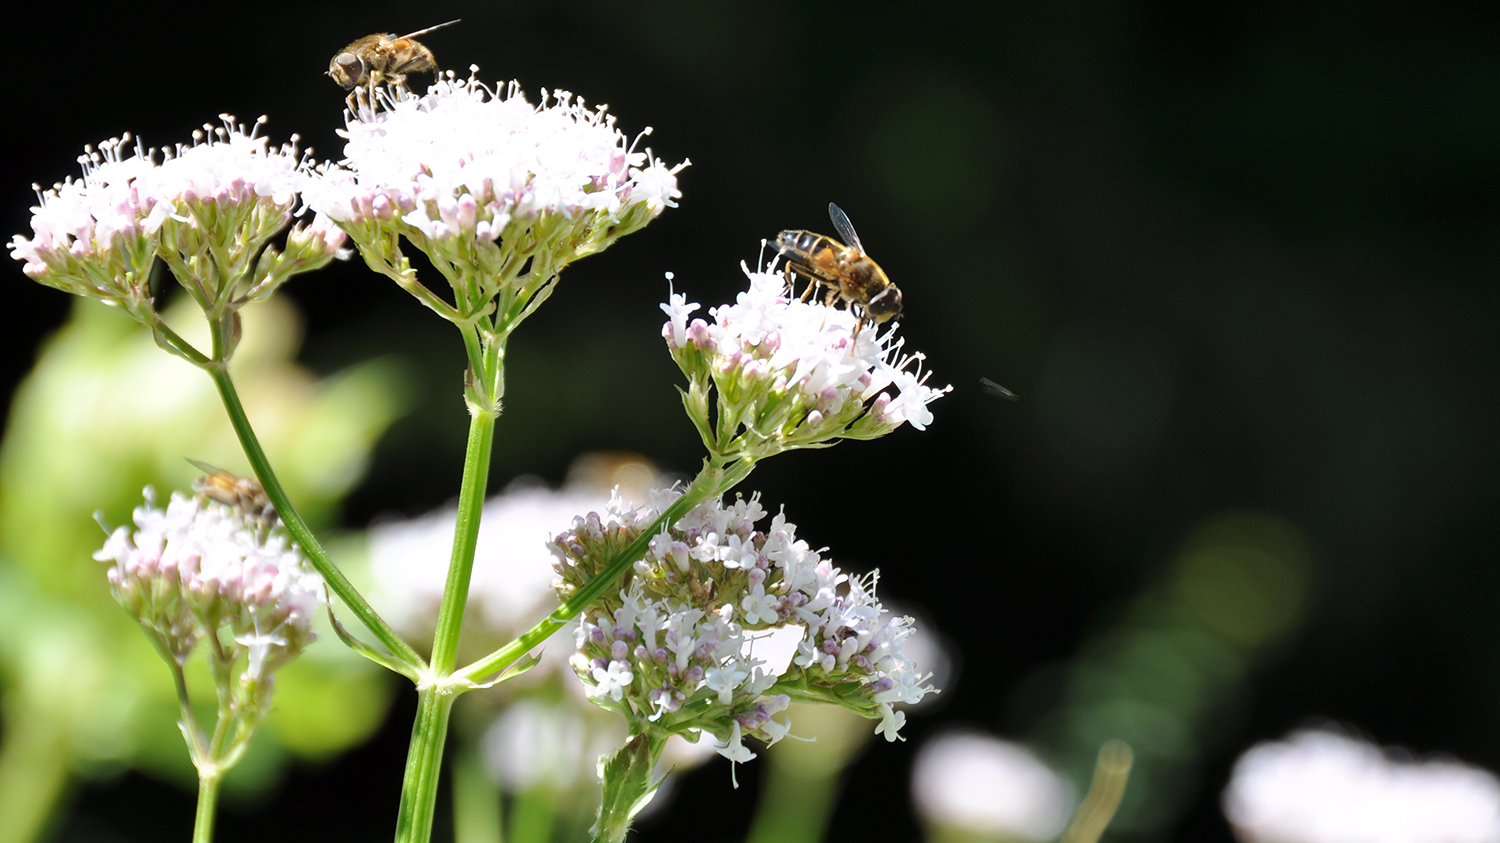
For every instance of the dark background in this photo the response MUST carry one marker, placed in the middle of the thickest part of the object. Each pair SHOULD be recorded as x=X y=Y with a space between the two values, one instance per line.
x=1232 y=256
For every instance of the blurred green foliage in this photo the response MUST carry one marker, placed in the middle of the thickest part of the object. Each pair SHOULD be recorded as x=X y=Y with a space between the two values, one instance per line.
x=104 y=413
x=1170 y=675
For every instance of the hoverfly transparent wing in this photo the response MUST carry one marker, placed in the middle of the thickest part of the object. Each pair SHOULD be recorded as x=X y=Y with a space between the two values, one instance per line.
x=996 y=389
x=206 y=468
x=843 y=227
x=429 y=29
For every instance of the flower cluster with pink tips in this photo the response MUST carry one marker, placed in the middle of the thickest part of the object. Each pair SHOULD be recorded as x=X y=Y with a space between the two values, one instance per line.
x=465 y=162
x=498 y=192
x=197 y=567
x=676 y=648
x=789 y=373
x=219 y=199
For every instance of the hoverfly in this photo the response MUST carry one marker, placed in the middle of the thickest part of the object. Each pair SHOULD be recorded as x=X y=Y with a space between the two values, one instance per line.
x=382 y=58
x=845 y=270
x=244 y=494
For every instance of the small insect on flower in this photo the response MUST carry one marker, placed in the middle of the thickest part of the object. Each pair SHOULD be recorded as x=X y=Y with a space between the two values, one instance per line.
x=382 y=58
x=847 y=271
x=245 y=494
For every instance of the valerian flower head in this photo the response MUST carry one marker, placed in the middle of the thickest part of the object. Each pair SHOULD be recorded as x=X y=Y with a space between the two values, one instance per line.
x=498 y=192
x=676 y=648
x=208 y=210
x=787 y=373
x=198 y=567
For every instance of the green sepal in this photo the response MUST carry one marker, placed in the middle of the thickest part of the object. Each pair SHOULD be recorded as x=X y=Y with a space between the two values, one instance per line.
x=518 y=667
x=366 y=650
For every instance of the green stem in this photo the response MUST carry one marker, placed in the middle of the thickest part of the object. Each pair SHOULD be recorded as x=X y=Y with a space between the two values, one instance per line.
x=337 y=582
x=424 y=761
x=435 y=694
x=1111 y=771
x=208 y=800
x=795 y=804
x=179 y=345
x=465 y=538
x=712 y=481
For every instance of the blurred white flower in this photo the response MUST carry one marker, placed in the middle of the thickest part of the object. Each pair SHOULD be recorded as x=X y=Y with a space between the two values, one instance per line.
x=988 y=787
x=1319 y=786
x=511 y=585
x=534 y=743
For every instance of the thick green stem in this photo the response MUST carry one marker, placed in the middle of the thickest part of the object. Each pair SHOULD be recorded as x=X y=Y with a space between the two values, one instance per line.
x=208 y=800
x=436 y=692
x=424 y=761
x=337 y=582
x=465 y=538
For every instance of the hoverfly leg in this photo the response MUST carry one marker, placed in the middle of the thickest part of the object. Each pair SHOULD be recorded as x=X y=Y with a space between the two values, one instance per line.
x=812 y=284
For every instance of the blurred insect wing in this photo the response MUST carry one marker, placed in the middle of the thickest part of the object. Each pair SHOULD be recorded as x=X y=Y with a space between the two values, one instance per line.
x=996 y=389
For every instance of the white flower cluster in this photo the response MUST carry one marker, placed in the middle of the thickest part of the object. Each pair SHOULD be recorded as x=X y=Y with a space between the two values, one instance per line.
x=1322 y=787
x=200 y=566
x=483 y=181
x=217 y=200
x=676 y=648
x=989 y=788
x=790 y=373
x=464 y=160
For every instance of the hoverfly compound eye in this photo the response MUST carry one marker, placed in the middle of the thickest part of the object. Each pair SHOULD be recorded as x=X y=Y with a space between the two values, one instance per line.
x=351 y=69
x=886 y=304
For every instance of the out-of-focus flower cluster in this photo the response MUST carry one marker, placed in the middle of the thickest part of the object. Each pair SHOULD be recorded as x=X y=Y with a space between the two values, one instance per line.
x=510 y=587
x=978 y=785
x=208 y=210
x=488 y=184
x=1319 y=786
x=791 y=374
x=199 y=566
x=675 y=648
